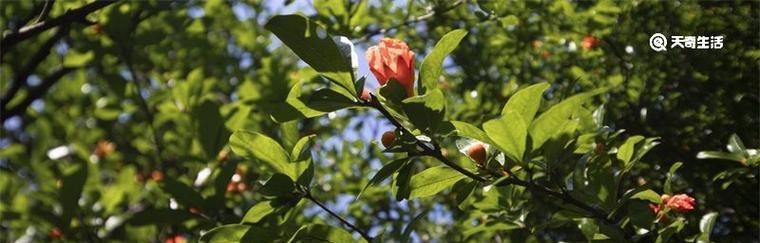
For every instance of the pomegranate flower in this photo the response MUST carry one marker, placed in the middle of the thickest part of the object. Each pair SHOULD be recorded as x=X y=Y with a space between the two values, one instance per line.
x=392 y=59
x=680 y=203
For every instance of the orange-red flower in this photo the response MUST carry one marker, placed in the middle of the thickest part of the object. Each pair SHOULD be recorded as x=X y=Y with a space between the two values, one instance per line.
x=392 y=59
x=56 y=233
x=176 y=239
x=104 y=148
x=680 y=203
x=589 y=42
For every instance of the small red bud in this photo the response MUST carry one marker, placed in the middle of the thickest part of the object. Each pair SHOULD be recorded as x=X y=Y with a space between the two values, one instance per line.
x=231 y=187
x=477 y=152
x=157 y=175
x=223 y=155
x=97 y=28
x=56 y=233
x=504 y=172
x=365 y=95
x=599 y=148
x=241 y=186
x=388 y=138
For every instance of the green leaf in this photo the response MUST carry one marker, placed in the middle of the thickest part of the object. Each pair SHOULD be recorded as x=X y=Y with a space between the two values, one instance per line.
x=664 y=234
x=509 y=20
x=430 y=69
x=306 y=172
x=509 y=133
x=625 y=152
x=159 y=217
x=406 y=236
x=184 y=194
x=403 y=178
x=71 y=190
x=238 y=233
x=640 y=214
x=735 y=144
x=322 y=233
x=433 y=180
x=253 y=145
x=493 y=227
x=642 y=150
x=259 y=211
x=668 y=188
x=384 y=173
x=300 y=106
x=226 y=171
x=328 y=100
x=278 y=185
x=547 y=124
x=648 y=195
x=588 y=227
x=426 y=111
x=720 y=155
x=462 y=190
x=314 y=46
x=209 y=126
x=302 y=153
x=468 y=130
x=393 y=92
x=526 y=101
x=74 y=59
x=300 y=149
x=705 y=227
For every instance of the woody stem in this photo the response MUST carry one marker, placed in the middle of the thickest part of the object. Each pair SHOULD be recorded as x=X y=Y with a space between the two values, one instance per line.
x=435 y=152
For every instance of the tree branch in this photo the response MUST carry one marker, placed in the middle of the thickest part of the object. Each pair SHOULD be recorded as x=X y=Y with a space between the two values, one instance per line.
x=35 y=93
x=510 y=180
x=435 y=151
x=342 y=220
x=426 y=16
x=69 y=17
x=20 y=80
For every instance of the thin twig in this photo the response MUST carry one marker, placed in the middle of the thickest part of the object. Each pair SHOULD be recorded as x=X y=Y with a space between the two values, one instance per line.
x=426 y=16
x=512 y=180
x=45 y=11
x=342 y=220
x=34 y=94
x=76 y=15
x=435 y=151
x=22 y=75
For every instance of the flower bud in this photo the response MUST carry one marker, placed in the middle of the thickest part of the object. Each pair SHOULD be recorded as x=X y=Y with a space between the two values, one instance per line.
x=589 y=42
x=365 y=96
x=392 y=59
x=157 y=175
x=56 y=233
x=388 y=138
x=104 y=148
x=680 y=203
x=231 y=186
x=477 y=152
x=599 y=148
